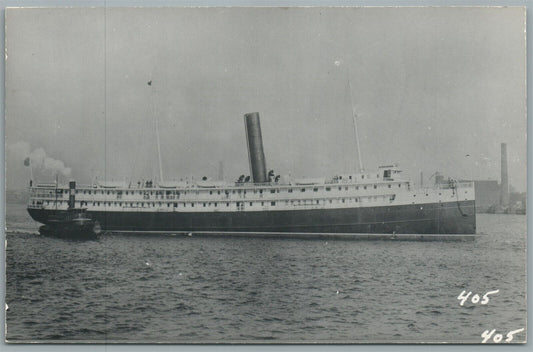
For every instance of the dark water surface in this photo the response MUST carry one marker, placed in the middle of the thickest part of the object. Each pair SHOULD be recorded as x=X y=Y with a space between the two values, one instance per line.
x=190 y=289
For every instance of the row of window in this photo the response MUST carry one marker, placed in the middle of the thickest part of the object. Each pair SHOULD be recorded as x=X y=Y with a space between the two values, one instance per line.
x=350 y=177
x=146 y=194
x=227 y=204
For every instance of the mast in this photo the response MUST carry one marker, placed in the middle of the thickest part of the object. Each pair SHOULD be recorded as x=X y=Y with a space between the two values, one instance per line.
x=156 y=132
x=354 y=116
x=158 y=150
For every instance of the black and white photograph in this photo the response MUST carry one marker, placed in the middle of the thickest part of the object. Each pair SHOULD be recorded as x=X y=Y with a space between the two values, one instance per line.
x=266 y=175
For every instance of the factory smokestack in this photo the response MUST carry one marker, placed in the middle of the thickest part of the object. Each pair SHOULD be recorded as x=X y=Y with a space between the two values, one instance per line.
x=504 y=185
x=256 y=155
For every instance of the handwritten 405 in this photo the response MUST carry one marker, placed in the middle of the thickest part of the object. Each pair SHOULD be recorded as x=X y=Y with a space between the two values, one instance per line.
x=463 y=297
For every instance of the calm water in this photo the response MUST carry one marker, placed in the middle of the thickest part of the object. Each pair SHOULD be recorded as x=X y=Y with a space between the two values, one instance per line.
x=192 y=289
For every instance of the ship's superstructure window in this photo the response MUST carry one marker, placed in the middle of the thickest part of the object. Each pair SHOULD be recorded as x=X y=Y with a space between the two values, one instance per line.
x=364 y=187
x=303 y=189
x=290 y=190
x=315 y=189
x=375 y=186
x=328 y=189
x=272 y=191
x=272 y=203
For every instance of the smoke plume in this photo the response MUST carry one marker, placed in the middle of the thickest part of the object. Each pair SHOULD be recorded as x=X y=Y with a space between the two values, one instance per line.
x=39 y=160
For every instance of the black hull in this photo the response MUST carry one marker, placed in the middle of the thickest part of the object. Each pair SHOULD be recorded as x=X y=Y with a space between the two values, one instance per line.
x=432 y=218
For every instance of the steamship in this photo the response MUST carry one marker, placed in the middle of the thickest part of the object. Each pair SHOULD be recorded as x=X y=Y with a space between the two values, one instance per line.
x=378 y=202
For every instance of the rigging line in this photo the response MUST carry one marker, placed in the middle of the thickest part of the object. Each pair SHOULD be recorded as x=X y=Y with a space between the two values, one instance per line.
x=154 y=116
x=105 y=91
x=354 y=116
x=158 y=149
x=136 y=159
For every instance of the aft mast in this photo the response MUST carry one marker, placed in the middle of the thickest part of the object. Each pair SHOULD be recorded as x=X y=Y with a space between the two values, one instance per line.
x=158 y=150
x=354 y=116
x=156 y=132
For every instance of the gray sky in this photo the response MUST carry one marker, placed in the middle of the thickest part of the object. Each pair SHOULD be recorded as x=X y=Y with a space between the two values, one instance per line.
x=430 y=85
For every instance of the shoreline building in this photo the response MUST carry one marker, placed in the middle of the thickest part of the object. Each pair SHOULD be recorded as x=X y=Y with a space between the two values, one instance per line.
x=494 y=197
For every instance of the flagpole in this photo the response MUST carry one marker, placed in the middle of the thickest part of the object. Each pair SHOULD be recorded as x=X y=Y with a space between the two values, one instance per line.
x=31 y=172
x=27 y=162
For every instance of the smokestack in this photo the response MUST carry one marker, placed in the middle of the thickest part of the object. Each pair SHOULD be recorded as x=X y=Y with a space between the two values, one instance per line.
x=256 y=155
x=72 y=194
x=504 y=185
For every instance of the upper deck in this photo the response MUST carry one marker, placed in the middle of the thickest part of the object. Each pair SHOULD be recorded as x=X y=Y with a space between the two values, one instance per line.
x=384 y=187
